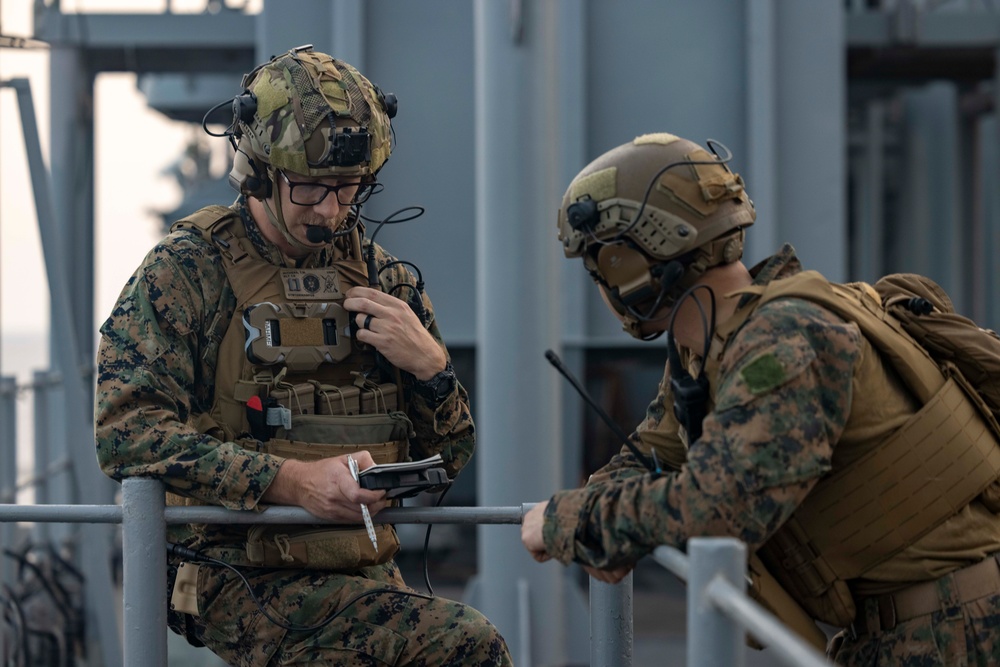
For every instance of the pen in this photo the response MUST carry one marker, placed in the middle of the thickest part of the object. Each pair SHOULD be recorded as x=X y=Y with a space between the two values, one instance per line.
x=353 y=465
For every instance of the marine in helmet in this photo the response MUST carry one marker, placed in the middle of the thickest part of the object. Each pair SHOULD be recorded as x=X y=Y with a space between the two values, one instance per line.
x=263 y=353
x=775 y=423
x=648 y=219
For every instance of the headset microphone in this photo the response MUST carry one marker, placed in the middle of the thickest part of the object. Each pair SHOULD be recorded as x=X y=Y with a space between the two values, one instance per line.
x=317 y=234
x=652 y=464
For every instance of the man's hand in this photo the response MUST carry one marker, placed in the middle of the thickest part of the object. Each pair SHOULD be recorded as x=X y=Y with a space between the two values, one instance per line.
x=531 y=532
x=608 y=576
x=531 y=537
x=325 y=488
x=395 y=331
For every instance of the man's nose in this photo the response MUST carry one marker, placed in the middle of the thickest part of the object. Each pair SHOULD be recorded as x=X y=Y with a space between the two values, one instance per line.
x=329 y=207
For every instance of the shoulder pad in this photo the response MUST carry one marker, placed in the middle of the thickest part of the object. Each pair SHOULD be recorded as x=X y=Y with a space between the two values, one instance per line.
x=206 y=221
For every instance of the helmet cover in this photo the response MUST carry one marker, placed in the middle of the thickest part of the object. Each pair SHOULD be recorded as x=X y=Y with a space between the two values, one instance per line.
x=316 y=116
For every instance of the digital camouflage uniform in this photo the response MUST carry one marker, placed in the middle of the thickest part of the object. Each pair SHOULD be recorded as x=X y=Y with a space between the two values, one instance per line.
x=783 y=391
x=156 y=366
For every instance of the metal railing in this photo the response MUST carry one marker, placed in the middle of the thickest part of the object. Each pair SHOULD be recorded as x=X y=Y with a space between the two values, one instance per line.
x=718 y=608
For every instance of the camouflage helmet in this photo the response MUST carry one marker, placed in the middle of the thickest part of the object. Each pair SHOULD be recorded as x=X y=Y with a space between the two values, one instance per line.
x=649 y=217
x=311 y=114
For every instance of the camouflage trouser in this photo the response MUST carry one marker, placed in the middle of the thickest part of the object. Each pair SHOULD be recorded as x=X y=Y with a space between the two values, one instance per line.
x=379 y=629
x=959 y=635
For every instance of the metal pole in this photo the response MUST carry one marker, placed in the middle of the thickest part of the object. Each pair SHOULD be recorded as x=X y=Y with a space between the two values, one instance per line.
x=514 y=385
x=762 y=125
x=8 y=467
x=273 y=515
x=869 y=254
x=611 y=623
x=290 y=515
x=144 y=552
x=714 y=639
x=43 y=438
x=765 y=628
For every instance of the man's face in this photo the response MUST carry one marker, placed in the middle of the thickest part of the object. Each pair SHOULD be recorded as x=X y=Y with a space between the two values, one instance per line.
x=310 y=202
x=656 y=324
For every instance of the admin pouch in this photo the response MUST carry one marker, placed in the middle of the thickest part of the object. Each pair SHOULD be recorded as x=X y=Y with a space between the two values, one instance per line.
x=326 y=547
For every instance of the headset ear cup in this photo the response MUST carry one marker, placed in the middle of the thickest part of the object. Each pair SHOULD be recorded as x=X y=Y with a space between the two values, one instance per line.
x=582 y=214
x=246 y=177
x=258 y=187
x=244 y=107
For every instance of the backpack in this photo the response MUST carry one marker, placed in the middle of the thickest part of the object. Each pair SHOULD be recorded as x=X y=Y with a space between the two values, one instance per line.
x=926 y=313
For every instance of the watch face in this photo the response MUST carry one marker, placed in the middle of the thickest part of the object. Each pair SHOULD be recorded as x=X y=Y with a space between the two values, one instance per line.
x=440 y=386
x=445 y=384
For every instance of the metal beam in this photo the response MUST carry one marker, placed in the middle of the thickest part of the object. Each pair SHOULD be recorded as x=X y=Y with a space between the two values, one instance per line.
x=941 y=29
x=225 y=31
x=519 y=49
x=145 y=43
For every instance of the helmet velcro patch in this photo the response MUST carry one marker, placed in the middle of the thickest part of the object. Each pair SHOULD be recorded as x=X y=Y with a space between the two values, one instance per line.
x=269 y=96
x=600 y=185
x=662 y=138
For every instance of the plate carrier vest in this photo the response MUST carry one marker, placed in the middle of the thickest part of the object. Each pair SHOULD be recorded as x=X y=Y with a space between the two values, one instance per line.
x=908 y=482
x=321 y=391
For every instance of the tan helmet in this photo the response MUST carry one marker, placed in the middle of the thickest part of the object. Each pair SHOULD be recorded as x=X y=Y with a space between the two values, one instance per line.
x=649 y=217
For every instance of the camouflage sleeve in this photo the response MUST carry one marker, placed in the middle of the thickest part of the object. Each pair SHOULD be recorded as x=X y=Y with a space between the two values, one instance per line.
x=783 y=398
x=447 y=429
x=152 y=385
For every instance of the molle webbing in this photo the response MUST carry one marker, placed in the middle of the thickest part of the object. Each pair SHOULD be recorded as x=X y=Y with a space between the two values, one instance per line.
x=256 y=281
x=931 y=467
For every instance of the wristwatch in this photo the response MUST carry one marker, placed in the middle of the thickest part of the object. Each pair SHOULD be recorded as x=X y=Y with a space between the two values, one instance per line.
x=434 y=390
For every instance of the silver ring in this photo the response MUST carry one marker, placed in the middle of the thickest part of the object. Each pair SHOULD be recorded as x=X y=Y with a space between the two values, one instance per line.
x=368 y=321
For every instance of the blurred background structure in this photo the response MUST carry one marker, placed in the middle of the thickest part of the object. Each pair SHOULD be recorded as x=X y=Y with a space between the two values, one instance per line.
x=866 y=132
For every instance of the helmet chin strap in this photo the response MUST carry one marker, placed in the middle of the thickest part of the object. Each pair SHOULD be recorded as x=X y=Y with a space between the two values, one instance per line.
x=723 y=250
x=277 y=218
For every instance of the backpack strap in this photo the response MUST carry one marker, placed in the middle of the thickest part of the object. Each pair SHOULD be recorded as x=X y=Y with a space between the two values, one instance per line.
x=861 y=304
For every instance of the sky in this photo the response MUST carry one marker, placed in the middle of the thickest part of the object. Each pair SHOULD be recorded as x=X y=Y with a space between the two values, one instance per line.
x=133 y=145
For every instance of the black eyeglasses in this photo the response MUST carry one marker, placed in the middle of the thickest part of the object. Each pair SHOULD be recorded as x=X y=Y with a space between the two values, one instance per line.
x=348 y=194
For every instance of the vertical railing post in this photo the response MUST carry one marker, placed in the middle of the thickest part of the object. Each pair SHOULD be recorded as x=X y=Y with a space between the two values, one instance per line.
x=43 y=448
x=144 y=554
x=714 y=639
x=611 y=623
x=8 y=468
